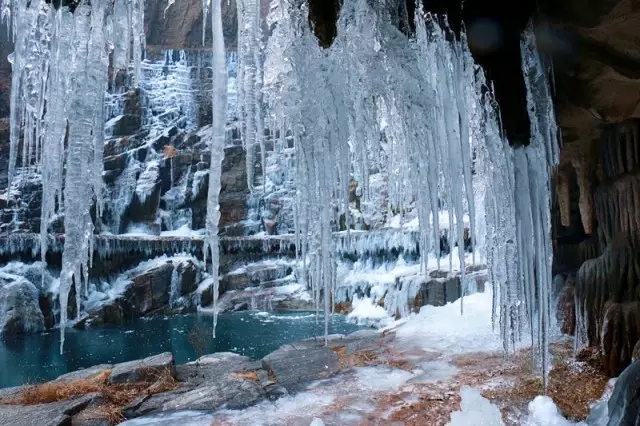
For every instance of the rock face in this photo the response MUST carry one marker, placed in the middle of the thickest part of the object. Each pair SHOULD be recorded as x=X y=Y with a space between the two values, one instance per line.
x=603 y=184
x=19 y=309
x=606 y=293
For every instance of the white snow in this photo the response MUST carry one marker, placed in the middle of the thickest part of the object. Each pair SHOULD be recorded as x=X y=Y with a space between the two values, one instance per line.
x=365 y=312
x=544 y=412
x=445 y=329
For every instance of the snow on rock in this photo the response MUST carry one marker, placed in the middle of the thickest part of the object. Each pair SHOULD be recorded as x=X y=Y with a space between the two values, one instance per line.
x=365 y=312
x=475 y=410
x=445 y=329
x=19 y=310
x=187 y=417
x=544 y=412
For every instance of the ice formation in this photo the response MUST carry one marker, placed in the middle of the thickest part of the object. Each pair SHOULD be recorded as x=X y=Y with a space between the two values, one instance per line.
x=249 y=84
x=218 y=133
x=60 y=76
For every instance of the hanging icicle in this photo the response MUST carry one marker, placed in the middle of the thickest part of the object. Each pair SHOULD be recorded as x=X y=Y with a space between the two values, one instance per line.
x=218 y=129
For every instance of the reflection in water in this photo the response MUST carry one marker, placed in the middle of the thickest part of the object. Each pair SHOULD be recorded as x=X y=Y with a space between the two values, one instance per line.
x=36 y=357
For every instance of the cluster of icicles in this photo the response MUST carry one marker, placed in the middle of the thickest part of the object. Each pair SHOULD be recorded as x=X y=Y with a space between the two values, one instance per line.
x=420 y=110
x=60 y=77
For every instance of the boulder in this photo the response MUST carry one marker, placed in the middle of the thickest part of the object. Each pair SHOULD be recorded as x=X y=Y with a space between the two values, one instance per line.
x=150 y=290
x=113 y=312
x=188 y=272
x=54 y=414
x=624 y=404
x=209 y=368
x=229 y=391
x=213 y=381
x=19 y=308
x=292 y=366
x=142 y=369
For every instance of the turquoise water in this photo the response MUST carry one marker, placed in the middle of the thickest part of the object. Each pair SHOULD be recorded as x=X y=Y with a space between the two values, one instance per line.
x=36 y=357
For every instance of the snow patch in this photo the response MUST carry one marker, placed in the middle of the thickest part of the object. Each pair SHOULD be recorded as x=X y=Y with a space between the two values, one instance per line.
x=365 y=312
x=475 y=410
x=444 y=329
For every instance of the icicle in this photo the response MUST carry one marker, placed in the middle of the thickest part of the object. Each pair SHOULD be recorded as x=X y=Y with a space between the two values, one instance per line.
x=218 y=129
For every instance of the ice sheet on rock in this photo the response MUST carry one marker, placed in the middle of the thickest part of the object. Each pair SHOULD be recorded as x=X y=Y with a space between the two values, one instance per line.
x=191 y=418
x=356 y=392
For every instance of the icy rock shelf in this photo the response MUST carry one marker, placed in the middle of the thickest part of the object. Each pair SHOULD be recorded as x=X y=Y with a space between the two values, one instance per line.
x=355 y=243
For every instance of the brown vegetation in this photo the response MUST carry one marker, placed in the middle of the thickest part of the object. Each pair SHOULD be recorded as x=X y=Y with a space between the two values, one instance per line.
x=573 y=384
x=170 y=151
x=113 y=397
x=369 y=358
x=248 y=375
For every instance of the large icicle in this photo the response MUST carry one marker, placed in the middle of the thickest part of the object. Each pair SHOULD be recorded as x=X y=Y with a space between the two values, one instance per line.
x=218 y=129
x=250 y=81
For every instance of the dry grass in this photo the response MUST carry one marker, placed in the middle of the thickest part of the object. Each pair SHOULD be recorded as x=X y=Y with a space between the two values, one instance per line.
x=59 y=391
x=115 y=397
x=248 y=375
x=433 y=408
x=370 y=358
x=170 y=151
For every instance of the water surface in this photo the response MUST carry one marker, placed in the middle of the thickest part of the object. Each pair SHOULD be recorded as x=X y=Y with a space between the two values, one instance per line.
x=36 y=357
